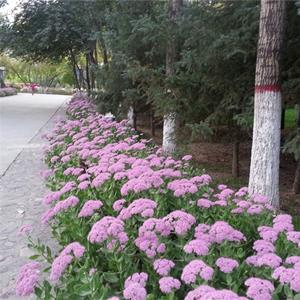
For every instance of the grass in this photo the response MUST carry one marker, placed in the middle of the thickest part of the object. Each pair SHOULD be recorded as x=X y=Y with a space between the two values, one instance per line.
x=290 y=118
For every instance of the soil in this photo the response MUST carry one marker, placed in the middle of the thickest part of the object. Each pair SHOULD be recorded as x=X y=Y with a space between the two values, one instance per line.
x=216 y=159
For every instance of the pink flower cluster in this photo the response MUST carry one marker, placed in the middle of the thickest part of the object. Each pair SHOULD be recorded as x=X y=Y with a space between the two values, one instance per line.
x=108 y=229
x=135 y=287
x=25 y=229
x=60 y=206
x=148 y=239
x=163 y=266
x=169 y=284
x=89 y=208
x=218 y=233
x=227 y=265
x=193 y=269
x=289 y=276
x=259 y=288
x=205 y=292
x=27 y=279
x=64 y=259
x=143 y=207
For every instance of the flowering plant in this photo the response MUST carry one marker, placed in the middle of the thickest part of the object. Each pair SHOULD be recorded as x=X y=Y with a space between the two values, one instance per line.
x=135 y=224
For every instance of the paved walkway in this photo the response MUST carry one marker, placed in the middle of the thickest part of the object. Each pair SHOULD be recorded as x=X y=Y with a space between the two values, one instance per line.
x=21 y=190
x=21 y=117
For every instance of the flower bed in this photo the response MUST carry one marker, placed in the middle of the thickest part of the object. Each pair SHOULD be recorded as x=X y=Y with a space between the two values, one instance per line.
x=7 y=91
x=134 y=224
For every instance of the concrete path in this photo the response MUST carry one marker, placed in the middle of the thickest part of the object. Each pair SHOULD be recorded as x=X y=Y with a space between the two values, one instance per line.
x=21 y=187
x=21 y=117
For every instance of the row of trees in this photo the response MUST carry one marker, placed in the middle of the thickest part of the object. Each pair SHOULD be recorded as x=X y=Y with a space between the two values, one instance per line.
x=44 y=74
x=190 y=63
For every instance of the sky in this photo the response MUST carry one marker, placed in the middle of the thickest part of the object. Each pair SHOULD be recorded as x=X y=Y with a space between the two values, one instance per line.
x=8 y=9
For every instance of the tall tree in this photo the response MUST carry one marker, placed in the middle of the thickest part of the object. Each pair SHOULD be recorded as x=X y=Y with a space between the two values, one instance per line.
x=264 y=169
x=170 y=118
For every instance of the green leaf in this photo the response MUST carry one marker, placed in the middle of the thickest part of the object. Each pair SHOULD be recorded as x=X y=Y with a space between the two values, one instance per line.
x=110 y=277
x=34 y=257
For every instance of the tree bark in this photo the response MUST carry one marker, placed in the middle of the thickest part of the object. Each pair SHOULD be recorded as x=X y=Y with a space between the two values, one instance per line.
x=298 y=116
x=130 y=116
x=87 y=70
x=170 y=118
x=73 y=62
x=264 y=168
x=282 y=118
x=296 y=185
x=152 y=123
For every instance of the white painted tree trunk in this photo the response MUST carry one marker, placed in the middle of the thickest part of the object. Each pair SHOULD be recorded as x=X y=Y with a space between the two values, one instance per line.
x=169 y=133
x=264 y=169
x=130 y=116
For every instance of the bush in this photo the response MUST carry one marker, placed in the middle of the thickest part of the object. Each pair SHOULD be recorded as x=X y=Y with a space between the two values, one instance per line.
x=134 y=224
x=8 y=91
x=48 y=90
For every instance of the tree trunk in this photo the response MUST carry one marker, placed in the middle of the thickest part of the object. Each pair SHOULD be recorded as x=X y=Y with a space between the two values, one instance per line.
x=170 y=118
x=152 y=123
x=87 y=70
x=296 y=185
x=264 y=169
x=298 y=116
x=73 y=62
x=282 y=118
x=235 y=159
x=130 y=116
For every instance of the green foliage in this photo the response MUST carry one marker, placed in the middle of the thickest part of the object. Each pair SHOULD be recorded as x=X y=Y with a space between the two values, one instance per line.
x=292 y=144
x=125 y=45
x=44 y=74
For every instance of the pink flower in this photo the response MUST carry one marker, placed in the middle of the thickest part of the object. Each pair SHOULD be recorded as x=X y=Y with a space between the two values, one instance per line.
x=118 y=204
x=179 y=221
x=226 y=265
x=205 y=203
x=108 y=228
x=199 y=247
x=83 y=185
x=135 y=292
x=25 y=229
x=259 y=289
x=293 y=236
x=255 y=209
x=27 y=279
x=76 y=248
x=268 y=259
x=268 y=233
x=163 y=266
x=59 y=266
x=199 y=292
x=143 y=207
x=169 y=284
x=89 y=208
x=140 y=278
x=135 y=286
x=187 y=157
x=263 y=247
x=194 y=268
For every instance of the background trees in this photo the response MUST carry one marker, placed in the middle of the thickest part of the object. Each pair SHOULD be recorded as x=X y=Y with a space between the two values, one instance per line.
x=117 y=51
